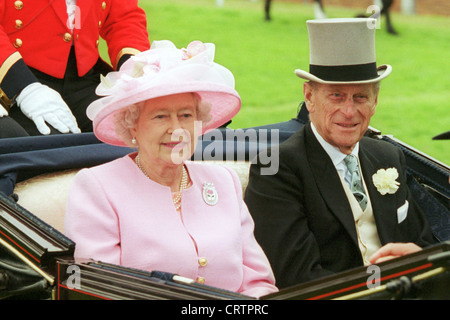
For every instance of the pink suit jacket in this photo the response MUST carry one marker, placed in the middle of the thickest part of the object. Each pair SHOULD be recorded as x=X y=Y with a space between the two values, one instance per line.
x=116 y=214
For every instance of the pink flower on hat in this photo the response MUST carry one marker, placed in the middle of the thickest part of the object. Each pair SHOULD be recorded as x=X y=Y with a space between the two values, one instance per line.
x=193 y=49
x=163 y=56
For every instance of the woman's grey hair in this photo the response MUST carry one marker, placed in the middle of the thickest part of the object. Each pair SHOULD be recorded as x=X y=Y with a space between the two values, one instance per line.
x=127 y=118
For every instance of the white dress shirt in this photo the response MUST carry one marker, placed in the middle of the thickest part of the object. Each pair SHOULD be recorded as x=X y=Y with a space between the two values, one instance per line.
x=337 y=157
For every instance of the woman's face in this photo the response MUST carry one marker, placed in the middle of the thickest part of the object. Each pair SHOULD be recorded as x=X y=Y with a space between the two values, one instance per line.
x=166 y=129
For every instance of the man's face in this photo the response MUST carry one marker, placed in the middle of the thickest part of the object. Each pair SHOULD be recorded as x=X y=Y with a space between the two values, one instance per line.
x=341 y=113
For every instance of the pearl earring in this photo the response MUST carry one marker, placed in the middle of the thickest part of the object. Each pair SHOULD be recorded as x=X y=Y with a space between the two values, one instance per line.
x=133 y=141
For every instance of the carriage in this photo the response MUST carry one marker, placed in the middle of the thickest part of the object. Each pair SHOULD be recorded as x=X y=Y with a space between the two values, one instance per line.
x=36 y=259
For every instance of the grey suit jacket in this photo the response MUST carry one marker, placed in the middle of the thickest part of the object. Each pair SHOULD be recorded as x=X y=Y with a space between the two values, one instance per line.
x=303 y=219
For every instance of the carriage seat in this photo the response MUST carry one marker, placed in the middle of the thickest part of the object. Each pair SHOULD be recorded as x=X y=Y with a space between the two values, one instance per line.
x=45 y=195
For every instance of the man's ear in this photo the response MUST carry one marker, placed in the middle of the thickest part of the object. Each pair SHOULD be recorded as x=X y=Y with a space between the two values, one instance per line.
x=374 y=104
x=307 y=94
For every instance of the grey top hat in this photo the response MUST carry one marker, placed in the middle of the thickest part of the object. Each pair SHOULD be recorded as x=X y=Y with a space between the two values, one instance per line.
x=342 y=51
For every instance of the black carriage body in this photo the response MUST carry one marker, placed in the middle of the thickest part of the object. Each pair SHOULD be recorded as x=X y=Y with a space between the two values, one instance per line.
x=36 y=261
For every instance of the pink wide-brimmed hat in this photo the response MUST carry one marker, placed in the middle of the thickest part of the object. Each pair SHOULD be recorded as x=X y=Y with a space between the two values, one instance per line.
x=161 y=71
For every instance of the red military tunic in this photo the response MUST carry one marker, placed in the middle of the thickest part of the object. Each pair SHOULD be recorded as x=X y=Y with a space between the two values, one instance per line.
x=36 y=33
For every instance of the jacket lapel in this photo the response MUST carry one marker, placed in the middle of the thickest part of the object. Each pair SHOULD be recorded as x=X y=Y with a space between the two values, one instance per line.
x=85 y=7
x=329 y=184
x=382 y=205
x=61 y=11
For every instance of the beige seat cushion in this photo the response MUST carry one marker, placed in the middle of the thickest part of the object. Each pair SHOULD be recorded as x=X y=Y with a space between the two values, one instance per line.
x=45 y=196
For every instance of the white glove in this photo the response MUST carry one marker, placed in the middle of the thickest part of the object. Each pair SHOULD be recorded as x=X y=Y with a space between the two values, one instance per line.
x=43 y=104
x=3 y=112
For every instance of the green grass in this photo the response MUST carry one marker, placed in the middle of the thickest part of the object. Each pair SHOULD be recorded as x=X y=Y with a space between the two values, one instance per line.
x=414 y=102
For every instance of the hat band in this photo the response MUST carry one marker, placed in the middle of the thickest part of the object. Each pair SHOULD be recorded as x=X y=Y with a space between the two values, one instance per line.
x=355 y=72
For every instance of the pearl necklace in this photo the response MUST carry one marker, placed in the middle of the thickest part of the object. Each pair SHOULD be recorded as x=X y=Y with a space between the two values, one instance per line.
x=183 y=183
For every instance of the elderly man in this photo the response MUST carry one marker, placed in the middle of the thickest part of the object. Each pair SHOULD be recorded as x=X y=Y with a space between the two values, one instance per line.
x=338 y=197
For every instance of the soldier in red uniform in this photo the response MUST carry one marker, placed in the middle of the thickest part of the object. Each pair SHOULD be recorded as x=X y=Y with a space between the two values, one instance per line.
x=49 y=59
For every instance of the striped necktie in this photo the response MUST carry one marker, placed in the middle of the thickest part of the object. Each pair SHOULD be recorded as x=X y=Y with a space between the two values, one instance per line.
x=356 y=183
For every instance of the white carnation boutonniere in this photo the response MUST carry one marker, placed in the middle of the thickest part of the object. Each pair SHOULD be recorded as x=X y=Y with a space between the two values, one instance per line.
x=385 y=181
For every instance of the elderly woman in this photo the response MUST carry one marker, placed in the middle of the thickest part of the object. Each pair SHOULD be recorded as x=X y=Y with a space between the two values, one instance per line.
x=153 y=209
